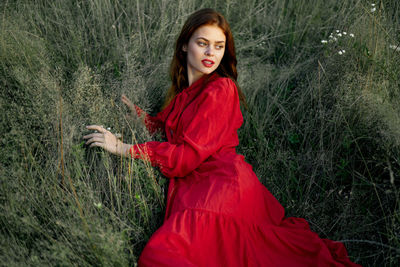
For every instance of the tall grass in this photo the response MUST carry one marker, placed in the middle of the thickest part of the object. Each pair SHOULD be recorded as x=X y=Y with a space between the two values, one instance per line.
x=322 y=131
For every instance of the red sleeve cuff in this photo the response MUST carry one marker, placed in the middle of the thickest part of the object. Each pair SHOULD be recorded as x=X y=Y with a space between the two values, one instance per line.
x=139 y=111
x=145 y=151
x=141 y=151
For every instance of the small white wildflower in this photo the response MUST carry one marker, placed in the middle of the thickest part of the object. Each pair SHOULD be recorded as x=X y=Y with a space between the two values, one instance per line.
x=337 y=31
x=98 y=205
x=344 y=33
x=339 y=34
x=344 y=51
x=372 y=4
x=340 y=52
x=395 y=47
x=373 y=10
x=351 y=35
x=324 y=41
x=108 y=128
x=334 y=39
x=331 y=36
x=113 y=26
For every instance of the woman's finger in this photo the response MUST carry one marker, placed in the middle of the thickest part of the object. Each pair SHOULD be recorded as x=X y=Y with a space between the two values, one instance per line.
x=127 y=101
x=124 y=99
x=95 y=139
x=97 y=144
x=97 y=128
x=93 y=135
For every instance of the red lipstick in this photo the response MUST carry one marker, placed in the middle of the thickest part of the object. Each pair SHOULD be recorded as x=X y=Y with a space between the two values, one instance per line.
x=208 y=63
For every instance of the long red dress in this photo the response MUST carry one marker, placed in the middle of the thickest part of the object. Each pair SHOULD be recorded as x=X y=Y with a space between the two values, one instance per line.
x=218 y=213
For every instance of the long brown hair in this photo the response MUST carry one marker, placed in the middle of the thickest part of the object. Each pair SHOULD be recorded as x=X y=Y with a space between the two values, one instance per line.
x=178 y=67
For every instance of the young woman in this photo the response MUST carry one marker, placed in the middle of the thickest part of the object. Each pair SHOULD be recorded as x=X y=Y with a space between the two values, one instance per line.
x=218 y=213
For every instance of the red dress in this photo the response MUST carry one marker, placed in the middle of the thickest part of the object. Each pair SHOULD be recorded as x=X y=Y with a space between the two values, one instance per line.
x=218 y=213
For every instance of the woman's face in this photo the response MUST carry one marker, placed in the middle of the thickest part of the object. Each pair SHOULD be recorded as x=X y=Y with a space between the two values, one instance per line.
x=205 y=50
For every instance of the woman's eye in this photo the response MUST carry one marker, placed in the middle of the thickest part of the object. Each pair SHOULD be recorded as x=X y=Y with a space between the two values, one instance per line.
x=202 y=44
x=219 y=46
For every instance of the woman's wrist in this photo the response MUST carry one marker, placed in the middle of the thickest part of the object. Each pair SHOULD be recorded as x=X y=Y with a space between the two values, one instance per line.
x=126 y=150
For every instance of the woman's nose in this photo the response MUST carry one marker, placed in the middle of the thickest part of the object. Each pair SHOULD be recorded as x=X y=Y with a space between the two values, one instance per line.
x=209 y=51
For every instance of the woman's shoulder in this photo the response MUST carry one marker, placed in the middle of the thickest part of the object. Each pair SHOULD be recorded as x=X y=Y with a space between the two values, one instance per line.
x=219 y=84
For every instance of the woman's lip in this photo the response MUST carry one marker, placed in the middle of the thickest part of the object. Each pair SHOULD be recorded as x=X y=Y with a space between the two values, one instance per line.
x=207 y=63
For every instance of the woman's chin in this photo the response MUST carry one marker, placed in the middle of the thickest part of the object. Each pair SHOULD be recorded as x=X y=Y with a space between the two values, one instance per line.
x=208 y=71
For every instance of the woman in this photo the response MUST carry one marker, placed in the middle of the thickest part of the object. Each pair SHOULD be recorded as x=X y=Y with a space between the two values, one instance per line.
x=218 y=213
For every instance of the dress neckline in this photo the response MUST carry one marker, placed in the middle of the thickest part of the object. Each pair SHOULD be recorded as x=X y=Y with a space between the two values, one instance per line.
x=199 y=81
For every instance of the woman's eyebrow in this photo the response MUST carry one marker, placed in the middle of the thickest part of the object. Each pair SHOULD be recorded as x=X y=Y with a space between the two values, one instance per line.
x=205 y=39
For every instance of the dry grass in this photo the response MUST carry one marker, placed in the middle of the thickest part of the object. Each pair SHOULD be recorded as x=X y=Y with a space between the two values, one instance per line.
x=322 y=131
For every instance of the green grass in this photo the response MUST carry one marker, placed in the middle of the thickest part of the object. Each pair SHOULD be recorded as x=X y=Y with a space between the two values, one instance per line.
x=322 y=131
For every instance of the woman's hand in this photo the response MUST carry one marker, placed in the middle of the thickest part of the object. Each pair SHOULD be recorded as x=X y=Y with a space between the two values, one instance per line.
x=106 y=140
x=128 y=103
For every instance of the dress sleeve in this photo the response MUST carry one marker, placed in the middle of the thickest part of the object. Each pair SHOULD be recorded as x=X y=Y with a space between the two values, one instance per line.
x=205 y=130
x=153 y=124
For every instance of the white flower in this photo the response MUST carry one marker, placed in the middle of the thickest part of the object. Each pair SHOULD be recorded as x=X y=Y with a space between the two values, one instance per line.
x=108 y=128
x=395 y=47
x=344 y=33
x=324 y=41
x=98 y=205
x=344 y=51
x=339 y=34
x=373 y=10
x=341 y=52
x=337 y=31
x=333 y=39
x=351 y=35
x=373 y=4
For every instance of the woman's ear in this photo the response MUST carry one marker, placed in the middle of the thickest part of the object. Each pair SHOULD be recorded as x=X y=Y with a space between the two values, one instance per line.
x=184 y=48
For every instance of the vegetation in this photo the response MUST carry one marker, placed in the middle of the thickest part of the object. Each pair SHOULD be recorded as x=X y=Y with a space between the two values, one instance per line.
x=322 y=130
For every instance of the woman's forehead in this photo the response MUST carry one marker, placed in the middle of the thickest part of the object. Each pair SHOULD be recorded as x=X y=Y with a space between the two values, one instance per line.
x=210 y=33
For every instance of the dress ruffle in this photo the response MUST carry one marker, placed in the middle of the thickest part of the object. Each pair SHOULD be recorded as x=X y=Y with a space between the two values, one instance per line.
x=203 y=238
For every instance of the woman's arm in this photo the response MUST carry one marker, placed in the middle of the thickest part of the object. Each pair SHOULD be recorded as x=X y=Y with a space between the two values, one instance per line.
x=214 y=120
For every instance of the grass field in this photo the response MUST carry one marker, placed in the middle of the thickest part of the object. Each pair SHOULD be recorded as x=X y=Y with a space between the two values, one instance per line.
x=322 y=131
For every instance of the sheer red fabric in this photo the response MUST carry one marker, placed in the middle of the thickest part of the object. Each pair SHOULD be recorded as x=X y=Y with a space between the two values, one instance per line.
x=218 y=213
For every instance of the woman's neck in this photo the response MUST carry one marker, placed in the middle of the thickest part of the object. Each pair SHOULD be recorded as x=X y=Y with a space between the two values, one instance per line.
x=194 y=76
